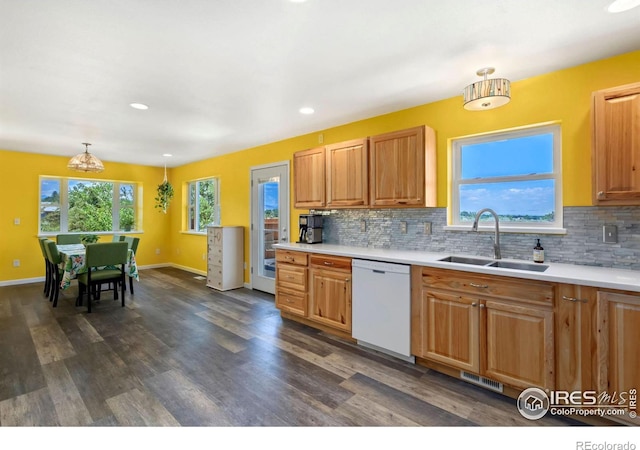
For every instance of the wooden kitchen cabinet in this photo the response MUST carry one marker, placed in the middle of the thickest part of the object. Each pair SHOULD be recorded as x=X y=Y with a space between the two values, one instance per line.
x=402 y=168
x=330 y=291
x=615 y=124
x=347 y=174
x=497 y=327
x=618 y=319
x=575 y=337
x=309 y=178
x=448 y=330
x=291 y=282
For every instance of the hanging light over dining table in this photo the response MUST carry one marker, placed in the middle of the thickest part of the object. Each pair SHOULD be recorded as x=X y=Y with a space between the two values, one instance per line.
x=85 y=162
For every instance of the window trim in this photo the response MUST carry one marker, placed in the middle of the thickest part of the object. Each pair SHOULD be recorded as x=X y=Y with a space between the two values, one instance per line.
x=455 y=145
x=64 y=205
x=187 y=203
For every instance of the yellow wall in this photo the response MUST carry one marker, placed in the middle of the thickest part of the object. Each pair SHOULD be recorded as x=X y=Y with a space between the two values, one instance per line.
x=19 y=183
x=558 y=96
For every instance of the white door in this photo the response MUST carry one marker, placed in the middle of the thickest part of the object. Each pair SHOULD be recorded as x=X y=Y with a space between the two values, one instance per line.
x=269 y=221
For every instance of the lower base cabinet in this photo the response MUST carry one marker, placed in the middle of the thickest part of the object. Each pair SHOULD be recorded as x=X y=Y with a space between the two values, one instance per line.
x=485 y=325
x=317 y=290
x=618 y=323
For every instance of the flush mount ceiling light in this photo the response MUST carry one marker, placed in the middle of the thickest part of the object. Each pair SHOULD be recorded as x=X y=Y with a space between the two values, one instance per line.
x=85 y=162
x=138 y=106
x=622 y=5
x=306 y=110
x=487 y=93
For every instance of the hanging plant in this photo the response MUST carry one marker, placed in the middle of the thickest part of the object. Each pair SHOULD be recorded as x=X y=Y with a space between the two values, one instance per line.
x=165 y=193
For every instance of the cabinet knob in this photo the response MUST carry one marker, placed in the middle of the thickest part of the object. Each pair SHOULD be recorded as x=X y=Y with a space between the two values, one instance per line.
x=573 y=299
x=482 y=305
x=474 y=304
x=601 y=194
x=328 y=263
x=483 y=286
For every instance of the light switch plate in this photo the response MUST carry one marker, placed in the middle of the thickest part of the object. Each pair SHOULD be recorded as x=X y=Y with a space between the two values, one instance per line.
x=610 y=234
x=363 y=226
x=403 y=227
x=427 y=228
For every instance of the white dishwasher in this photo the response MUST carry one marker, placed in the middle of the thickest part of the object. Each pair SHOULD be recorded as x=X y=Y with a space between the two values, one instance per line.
x=381 y=307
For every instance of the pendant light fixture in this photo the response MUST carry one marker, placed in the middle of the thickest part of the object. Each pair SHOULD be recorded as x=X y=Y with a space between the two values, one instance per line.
x=85 y=162
x=487 y=93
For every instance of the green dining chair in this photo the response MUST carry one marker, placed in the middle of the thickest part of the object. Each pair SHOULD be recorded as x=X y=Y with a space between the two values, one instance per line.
x=132 y=243
x=105 y=264
x=63 y=239
x=54 y=259
x=47 y=271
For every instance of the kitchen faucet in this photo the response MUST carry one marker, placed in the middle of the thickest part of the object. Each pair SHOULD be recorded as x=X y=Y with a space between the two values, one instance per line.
x=496 y=243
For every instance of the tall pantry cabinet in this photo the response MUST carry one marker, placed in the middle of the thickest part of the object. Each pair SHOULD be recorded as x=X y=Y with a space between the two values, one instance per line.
x=225 y=258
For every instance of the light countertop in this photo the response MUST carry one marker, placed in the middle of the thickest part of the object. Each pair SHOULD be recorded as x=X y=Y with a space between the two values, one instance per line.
x=603 y=277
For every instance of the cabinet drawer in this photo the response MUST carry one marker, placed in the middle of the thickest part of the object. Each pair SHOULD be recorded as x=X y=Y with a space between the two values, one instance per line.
x=285 y=256
x=494 y=286
x=291 y=277
x=293 y=302
x=215 y=260
x=331 y=262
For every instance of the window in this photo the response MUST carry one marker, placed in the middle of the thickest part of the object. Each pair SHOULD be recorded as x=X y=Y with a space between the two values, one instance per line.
x=203 y=206
x=517 y=173
x=77 y=205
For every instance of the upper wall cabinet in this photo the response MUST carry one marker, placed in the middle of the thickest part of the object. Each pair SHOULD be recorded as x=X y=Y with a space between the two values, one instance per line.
x=347 y=174
x=402 y=168
x=309 y=178
x=616 y=145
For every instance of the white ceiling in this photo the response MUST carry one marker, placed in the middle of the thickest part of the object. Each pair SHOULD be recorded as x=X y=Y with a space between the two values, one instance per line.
x=225 y=75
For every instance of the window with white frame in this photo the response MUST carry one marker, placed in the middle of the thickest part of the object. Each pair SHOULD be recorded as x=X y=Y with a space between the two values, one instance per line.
x=203 y=207
x=517 y=173
x=81 y=205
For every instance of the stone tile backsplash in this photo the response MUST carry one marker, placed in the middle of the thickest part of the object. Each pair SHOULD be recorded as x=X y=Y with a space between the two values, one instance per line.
x=581 y=245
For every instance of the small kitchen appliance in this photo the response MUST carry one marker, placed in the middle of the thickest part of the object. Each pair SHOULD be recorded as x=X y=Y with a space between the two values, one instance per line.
x=310 y=228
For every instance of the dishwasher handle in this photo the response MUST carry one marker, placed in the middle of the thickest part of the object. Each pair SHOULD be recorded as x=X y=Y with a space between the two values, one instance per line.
x=379 y=271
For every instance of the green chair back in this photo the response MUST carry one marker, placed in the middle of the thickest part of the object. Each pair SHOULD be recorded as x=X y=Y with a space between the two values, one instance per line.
x=63 y=239
x=44 y=251
x=106 y=254
x=132 y=242
x=53 y=255
x=117 y=238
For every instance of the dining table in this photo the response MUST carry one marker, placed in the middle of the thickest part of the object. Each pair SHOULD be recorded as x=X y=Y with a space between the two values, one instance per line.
x=72 y=263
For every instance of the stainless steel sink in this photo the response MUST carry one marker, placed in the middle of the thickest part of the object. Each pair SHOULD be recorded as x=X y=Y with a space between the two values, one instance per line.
x=466 y=260
x=498 y=264
x=518 y=265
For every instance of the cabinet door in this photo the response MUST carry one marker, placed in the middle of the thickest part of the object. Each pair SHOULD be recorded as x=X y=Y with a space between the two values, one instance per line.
x=616 y=145
x=309 y=178
x=517 y=344
x=448 y=330
x=575 y=337
x=347 y=173
x=398 y=164
x=330 y=299
x=618 y=319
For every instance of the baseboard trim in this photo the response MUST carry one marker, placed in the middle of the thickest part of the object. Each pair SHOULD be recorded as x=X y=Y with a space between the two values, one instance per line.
x=22 y=281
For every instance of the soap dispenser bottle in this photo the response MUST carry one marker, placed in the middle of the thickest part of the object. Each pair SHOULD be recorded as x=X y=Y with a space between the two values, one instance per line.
x=538 y=253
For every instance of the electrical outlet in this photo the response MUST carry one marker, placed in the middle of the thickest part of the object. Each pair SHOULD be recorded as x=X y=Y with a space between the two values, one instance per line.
x=363 y=226
x=16 y=221
x=609 y=234
x=204 y=256
x=427 y=228
x=320 y=138
x=16 y=263
x=403 y=227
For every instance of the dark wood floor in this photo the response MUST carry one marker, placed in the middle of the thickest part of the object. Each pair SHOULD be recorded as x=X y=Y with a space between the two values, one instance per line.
x=181 y=354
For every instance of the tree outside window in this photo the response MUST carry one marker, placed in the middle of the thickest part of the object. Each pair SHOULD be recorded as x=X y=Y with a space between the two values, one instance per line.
x=203 y=207
x=73 y=205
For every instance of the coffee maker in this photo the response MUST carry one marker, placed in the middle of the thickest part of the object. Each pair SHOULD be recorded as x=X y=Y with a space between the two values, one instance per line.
x=310 y=229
